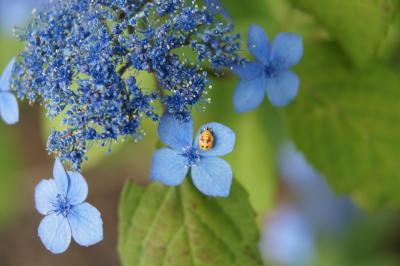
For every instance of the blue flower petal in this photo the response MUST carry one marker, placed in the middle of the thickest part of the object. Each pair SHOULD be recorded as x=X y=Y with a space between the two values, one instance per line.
x=176 y=134
x=213 y=177
x=45 y=195
x=249 y=70
x=224 y=140
x=55 y=233
x=6 y=76
x=78 y=188
x=249 y=94
x=9 y=110
x=287 y=50
x=258 y=44
x=168 y=167
x=61 y=178
x=86 y=224
x=282 y=88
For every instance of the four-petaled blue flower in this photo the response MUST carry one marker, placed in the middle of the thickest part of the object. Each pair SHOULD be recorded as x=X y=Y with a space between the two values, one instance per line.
x=67 y=215
x=270 y=74
x=8 y=103
x=210 y=174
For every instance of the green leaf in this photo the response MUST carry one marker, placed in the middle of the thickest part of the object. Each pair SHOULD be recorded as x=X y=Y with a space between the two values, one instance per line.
x=176 y=226
x=346 y=121
x=359 y=25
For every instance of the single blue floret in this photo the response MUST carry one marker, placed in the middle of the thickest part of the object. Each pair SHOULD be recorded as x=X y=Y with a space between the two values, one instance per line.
x=8 y=103
x=67 y=215
x=210 y=174
x=270 y=74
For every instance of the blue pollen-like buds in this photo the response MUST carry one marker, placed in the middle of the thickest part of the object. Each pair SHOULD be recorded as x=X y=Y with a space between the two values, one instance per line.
x=85 y=60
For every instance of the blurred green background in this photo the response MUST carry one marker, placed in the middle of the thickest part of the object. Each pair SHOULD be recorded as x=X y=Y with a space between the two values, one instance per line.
x=346 y=122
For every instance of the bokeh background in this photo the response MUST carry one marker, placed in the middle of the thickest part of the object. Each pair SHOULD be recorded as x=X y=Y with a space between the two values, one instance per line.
x=302 y=219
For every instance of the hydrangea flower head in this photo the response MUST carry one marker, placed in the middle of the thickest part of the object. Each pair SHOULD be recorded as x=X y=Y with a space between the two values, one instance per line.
x=84 y=61
x=270 y=74
x=210 y=174
x=8 y=103
x=67 y=215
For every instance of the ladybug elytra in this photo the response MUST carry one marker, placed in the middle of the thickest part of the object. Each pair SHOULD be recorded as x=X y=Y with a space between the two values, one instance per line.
x=206 y=139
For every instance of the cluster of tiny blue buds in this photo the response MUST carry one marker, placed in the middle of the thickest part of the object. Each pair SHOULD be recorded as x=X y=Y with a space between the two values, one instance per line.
x=62 y=206
x=84 y=61
x=192 y=155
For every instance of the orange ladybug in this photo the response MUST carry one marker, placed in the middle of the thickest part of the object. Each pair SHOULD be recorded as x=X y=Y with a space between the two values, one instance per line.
x=206 y=139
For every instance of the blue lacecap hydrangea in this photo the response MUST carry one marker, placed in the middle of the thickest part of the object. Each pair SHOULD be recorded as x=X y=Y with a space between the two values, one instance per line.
x=270 y=73
x=84 y=60
x=210 y=174
x=62 y=201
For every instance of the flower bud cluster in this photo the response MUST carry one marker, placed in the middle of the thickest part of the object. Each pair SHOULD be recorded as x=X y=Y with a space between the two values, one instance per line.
x=84 y=60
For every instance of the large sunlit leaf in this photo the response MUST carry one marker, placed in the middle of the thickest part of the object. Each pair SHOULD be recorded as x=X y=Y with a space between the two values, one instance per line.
x=346 y=121
x=358 y=25
x=177 y=226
